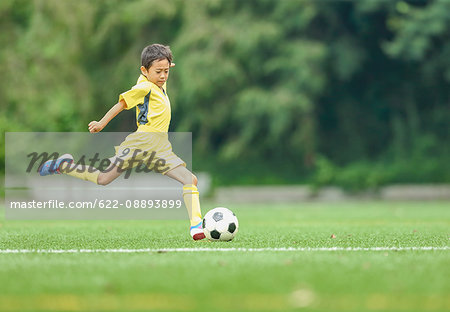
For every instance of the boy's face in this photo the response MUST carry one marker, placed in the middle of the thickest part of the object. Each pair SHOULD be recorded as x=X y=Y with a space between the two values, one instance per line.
x=158 y=72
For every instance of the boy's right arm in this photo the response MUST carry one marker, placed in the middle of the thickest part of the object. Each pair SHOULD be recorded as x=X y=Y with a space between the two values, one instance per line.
x=97 y=126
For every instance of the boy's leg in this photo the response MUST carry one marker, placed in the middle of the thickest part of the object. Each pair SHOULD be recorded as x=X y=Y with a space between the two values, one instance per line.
x=191 y=198
x=64 y=164
x=87 y=173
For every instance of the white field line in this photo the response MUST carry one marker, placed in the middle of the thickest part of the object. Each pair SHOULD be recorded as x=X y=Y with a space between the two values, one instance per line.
x=160 y=250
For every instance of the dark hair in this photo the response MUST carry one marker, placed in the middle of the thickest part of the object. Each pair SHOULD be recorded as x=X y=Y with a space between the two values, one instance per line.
x=155 y=52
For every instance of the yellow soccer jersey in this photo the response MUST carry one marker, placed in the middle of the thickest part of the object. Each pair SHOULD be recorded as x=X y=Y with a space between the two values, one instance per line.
x=152 y=105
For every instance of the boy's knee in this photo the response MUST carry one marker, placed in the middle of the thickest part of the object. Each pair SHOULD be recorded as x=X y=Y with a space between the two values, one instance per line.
x=194 y=180
x=189 y=179
x=102 y=180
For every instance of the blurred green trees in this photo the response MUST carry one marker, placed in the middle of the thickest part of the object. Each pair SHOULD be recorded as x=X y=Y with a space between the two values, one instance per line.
x=349 y=93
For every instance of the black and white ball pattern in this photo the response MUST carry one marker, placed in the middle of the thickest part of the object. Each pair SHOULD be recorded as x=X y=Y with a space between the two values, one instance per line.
x=220 y=224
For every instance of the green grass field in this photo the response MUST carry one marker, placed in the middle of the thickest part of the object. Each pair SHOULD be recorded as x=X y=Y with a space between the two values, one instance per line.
x=240 y=280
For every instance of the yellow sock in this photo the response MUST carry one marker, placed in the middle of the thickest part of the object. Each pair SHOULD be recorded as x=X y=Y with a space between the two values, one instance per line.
x=192 y=202
x=80 y=172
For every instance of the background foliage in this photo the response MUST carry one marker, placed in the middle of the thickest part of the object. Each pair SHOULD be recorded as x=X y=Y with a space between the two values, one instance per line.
x=324 y=92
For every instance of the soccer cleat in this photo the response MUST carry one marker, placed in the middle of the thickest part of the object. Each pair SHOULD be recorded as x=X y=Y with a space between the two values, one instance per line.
x=52 y=166
x=197 y=231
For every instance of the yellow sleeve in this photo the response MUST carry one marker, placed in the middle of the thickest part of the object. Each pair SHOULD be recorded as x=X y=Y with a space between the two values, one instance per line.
x=136 y=95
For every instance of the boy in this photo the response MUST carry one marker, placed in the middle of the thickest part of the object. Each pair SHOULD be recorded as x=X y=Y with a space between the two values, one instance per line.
x=153 y=118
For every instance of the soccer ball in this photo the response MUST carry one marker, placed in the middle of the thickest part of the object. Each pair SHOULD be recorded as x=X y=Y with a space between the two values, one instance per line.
x=220 y=224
